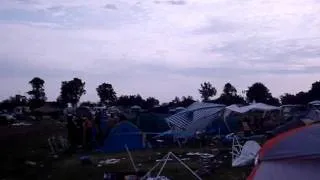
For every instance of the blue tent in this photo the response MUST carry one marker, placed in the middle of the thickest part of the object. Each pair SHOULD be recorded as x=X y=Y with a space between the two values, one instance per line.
x=124 y=133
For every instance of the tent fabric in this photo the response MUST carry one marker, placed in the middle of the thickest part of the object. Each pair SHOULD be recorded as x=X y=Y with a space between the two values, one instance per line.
x=287 y=147
x=291 y=170
x=194 y=113
x=124 y=133
x=312 y=116
x=251 y=107
x=291 y=155
x=317 y=102
x=204 y=122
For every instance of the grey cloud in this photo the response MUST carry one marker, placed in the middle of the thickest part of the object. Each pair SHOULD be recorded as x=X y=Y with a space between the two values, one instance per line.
x=269 y=51
x=55 y=8
x=111 y=6
x=171 y=2
x=217 y=25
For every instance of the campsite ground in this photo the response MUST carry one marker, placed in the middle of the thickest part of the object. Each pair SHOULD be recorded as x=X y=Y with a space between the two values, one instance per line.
x=29 y=143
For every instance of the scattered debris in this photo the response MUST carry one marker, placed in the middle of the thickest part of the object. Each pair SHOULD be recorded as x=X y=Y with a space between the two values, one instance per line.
x=85 y=160
x=109 y=161
x=31 y=163
x=200 y=154
x=21 y=124
x=185 y=159
x=162 y=160
x=158 y=178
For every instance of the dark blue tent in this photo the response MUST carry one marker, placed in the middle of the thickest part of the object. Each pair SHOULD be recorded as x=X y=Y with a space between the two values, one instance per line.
x=124 y=133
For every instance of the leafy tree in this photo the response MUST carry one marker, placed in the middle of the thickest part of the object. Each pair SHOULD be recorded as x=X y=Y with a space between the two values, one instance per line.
x=151 y=102
x=273 y=101
x=106 y=94
x=229 y=90
x=229 y=96
x=88 y=104
x=288 y=99
x=258 y=92
x=71 y=91
x=186 y=101
x=207 y=91
x=314 y=92
x=131 y=100
x=12 y=102
x=38 y=95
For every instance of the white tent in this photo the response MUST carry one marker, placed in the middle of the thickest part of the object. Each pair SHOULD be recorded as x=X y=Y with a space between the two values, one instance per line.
x=252 y=107
x=245 y=109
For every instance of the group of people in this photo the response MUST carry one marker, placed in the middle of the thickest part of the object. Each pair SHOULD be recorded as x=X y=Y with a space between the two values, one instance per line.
x=79 y=131
x=84 y=129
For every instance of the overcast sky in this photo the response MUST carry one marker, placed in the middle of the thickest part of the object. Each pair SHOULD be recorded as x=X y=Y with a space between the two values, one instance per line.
x=159 y=48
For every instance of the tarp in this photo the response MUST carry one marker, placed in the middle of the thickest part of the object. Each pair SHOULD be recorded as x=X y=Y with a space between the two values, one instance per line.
x=252 y=107
x=124 y=133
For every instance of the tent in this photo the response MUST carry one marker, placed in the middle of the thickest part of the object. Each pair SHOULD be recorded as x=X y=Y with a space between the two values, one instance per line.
x=198 y=116
x=124 y=133
x=291 y=155
x=233 y=125
x=252 y=107
x=311 y=117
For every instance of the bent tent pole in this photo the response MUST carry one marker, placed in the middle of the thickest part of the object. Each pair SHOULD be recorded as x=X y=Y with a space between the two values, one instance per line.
x=132 y=162
x=163 y=165
x=155 y=166
x=186 y=166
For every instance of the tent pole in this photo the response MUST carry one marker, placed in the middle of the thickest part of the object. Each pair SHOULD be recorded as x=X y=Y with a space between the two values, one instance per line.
x=132 y=162
x=155 y=166
x=165 y=162
x=187 y=167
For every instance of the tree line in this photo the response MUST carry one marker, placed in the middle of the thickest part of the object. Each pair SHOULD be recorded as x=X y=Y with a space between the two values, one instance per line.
x=71 y=92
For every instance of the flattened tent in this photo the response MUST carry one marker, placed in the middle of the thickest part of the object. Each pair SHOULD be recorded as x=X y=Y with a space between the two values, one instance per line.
x=198 y=116
x=124 y=133
x=252 y=107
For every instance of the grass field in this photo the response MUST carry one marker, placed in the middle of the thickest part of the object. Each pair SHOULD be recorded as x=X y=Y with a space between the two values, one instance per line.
x=29 y=143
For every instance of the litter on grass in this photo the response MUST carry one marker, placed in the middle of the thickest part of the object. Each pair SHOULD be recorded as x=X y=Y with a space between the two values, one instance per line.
x=109 y=161
x=200 y=154
x=158 y=178
x=21 y=124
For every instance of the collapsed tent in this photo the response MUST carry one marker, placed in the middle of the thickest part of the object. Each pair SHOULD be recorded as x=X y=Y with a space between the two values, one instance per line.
x=233 y=122
x=244 y=155
x=252 y=107
x=311 y=117
x=197 y=117
x=124 y=133
x=291 y=155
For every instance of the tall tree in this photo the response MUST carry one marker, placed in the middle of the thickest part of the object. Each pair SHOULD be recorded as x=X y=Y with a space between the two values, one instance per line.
x=37 y=93
x=258 y=92
x=106 y=94
x=151 y=102
x=229 y=89
x=207 y=91
x=230 y=96
x=71 y=91
x=288 y=99
x=12 y=102
x=186 y=101
x=314 y=92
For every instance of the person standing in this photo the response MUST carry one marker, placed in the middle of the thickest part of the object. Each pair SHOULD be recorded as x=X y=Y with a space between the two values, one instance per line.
x=72 y=130
x=87 y=133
